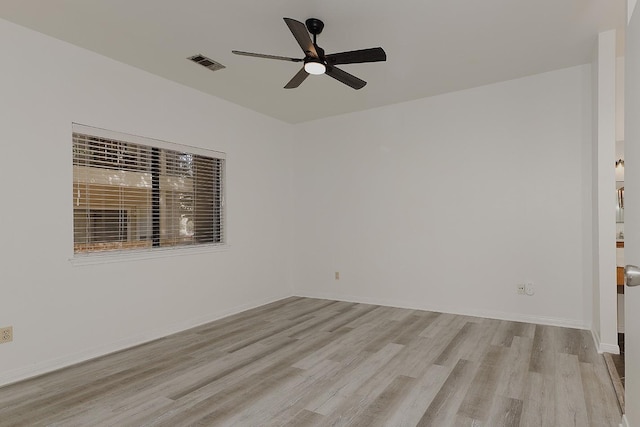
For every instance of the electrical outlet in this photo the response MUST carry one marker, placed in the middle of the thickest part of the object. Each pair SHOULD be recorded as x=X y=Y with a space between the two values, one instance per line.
x=520 y=289
x=529 y=289
x=337 y=275
x=6 y=334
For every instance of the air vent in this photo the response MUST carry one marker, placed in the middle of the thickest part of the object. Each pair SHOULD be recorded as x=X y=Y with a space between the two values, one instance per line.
x=207 y=62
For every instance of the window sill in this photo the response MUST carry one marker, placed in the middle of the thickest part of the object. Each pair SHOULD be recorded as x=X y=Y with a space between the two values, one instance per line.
x=135 y=255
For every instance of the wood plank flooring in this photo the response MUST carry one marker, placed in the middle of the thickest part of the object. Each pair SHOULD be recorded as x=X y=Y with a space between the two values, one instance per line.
x=311 y=362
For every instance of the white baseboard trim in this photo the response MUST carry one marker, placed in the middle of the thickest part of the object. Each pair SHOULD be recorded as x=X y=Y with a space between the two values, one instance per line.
x=47 y=366
x=596 y=339
x=625 y=422
x=609 y=348
x=515 y=317
x=72 y=359
x=603 y=347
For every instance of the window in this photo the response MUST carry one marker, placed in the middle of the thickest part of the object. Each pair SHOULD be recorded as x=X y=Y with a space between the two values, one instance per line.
x=133 y=193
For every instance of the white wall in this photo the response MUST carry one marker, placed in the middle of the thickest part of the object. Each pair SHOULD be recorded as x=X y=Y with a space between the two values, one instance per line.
x=447 y=203
x=619 y=101
x=63 y=313
x=604 y=140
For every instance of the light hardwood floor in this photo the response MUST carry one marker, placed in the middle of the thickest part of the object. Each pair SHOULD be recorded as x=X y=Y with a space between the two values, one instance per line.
x=305 y=362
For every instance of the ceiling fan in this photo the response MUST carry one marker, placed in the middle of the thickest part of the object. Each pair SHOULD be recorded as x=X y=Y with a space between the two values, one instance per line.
x=316 y=62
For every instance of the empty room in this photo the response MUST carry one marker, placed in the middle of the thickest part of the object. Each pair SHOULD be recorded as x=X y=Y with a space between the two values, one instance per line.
x=320 y=213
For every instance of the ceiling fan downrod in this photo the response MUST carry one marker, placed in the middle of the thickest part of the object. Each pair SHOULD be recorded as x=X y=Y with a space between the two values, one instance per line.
x=315 y=26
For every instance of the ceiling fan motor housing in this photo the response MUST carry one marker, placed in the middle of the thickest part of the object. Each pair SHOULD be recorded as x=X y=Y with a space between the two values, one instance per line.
x=314 y=25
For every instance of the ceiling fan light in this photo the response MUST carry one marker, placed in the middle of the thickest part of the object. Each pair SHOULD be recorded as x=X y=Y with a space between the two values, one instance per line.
x=314 y=67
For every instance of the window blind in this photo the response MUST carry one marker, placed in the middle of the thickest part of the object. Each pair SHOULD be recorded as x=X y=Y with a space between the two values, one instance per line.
x=130 y=193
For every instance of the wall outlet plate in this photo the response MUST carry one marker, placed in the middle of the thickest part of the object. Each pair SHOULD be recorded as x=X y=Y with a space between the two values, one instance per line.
x=529 y=289
x=6 y=334
x=520 y=289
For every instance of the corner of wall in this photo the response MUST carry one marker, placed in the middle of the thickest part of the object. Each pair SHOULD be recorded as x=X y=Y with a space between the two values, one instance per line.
x=603 y=347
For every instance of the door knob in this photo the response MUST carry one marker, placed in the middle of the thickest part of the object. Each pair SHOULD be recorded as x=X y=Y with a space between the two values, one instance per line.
x=632 y=275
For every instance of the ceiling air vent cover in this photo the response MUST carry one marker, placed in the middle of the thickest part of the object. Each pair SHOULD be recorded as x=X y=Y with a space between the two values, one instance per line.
x=207 y=62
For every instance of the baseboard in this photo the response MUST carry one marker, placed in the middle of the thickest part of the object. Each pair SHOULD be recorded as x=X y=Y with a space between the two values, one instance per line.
x=48 y=366
x=609 y=348
x=625 y=422
x=603 y=347
x=514 y=317
x=62 y=362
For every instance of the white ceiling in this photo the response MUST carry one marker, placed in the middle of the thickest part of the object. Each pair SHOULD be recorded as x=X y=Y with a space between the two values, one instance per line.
x=433 y=46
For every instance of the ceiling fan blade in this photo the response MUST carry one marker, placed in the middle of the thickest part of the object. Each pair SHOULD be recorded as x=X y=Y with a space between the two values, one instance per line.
x=375 y=54
x=260 y=55
x=346 y=78
x=297 y=79
x=301 y=34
